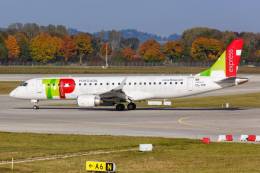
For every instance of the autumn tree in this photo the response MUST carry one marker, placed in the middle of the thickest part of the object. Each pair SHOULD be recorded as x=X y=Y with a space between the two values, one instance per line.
x=190 y=35
x=257 y=55
x=23 y=43
x=128 y=53
x=173 y=50
x=208 y=49
x=150 y=50
x=105 y=48
x=57 y=43
x=44 y=47
x=83 y=45
x=132 y=43
x=3 y=50
x=68 y=48
x=12 y=47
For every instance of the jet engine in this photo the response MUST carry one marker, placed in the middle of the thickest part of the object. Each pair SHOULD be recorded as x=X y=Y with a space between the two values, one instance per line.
x=89 y=101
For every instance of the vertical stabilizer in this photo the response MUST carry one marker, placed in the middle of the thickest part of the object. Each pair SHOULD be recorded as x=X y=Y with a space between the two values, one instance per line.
x=227 y=64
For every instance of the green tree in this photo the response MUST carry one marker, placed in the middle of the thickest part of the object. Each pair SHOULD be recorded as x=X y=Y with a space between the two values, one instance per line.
x=114 y=38
x=23 y=43
x=3 y=50
x=31 y=30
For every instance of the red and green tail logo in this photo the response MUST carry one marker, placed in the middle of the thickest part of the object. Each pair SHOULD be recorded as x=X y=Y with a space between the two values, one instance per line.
x=227 y=64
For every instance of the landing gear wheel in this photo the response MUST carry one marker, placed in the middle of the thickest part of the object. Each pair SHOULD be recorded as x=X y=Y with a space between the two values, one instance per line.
x=131 y=106
x=35 y=107
x=120 y=107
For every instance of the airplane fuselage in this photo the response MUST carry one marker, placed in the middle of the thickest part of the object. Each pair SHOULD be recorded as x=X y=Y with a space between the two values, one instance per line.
x=135 y=87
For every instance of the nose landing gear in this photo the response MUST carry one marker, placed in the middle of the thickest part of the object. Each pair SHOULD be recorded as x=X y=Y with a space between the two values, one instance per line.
x=35 y=104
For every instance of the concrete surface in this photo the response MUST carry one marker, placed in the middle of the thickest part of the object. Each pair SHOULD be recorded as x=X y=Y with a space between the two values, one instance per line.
x=17 y=116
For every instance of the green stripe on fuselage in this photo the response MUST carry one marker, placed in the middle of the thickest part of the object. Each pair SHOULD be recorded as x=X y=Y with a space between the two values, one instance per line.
x=51 y=88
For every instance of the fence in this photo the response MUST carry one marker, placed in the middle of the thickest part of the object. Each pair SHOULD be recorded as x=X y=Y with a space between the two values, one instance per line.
x=120 y=64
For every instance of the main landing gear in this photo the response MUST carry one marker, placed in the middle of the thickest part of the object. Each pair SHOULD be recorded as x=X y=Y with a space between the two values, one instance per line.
x=121 y=107
x=131 y=106
x=35 y=104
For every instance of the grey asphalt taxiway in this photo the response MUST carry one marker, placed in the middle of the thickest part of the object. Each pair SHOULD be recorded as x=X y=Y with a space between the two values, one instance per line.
x=18 y=116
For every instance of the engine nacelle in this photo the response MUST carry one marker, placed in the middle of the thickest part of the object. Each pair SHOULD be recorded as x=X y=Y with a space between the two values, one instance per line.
x=89 y=101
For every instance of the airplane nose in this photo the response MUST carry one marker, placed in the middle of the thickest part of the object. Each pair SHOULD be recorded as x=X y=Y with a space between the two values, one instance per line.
x=12 y=93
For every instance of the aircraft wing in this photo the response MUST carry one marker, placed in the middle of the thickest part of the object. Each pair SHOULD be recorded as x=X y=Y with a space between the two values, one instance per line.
x=116 y=95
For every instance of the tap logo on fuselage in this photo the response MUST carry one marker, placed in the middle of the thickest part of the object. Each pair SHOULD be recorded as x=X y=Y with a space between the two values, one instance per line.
x=58 y=88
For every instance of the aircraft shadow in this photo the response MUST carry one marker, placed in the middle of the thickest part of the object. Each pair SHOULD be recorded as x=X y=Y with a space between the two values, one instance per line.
x=141 y=109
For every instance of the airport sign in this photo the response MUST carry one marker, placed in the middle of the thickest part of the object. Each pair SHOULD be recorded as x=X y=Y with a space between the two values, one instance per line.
x=100 y=166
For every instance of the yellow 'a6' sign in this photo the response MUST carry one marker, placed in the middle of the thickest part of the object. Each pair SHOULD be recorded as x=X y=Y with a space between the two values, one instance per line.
x=100 y=166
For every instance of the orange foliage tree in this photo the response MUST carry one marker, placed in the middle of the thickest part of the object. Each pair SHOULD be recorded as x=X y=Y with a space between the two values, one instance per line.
x=103 y=50
x=68 y=48
x=150 y=50
x=206 y=49
x=128 y=53
x=83 y=44
x=257 y=54
x=173 y=49
x=44 y=47
x=57 y=43
x=12 y=47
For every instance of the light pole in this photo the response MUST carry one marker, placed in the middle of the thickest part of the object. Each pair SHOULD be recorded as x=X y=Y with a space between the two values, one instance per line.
x=106 y=56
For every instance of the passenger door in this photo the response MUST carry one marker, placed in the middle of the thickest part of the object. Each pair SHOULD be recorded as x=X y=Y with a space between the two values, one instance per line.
x=39 y=87
x=190 y=83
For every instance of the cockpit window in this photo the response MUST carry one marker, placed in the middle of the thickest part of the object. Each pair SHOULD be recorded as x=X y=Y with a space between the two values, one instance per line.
x=24 y=84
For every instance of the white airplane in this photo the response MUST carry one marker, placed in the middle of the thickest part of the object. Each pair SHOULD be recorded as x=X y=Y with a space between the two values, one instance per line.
x=125 y=90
